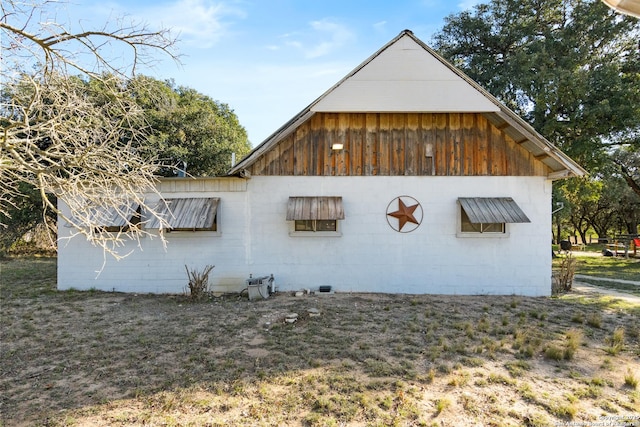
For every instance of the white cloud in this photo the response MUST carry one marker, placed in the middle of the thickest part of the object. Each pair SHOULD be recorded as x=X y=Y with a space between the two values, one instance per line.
x=200 y=23
x=338 y=36
x=294 y=43
x=323 y=37
x=379 y=26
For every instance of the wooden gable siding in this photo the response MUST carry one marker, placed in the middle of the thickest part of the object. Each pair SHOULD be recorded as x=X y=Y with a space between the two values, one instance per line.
x=391 y=144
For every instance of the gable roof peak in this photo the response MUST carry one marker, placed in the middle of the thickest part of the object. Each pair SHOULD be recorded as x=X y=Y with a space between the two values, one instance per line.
x=405 y=75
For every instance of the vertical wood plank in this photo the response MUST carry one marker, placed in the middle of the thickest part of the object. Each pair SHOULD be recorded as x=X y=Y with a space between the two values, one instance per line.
x=523 y=163
x=356 y=144
x=301 y=164
x=303 y=136
x=286 y=153
x=482 y=154
x=316 y=141
x=274 y=160
x=343 y=136
x=512 y=161
x=371 y=145
x=469 y=144
x=302 y=139
x=397 y=144
x=503 y=153
x=330 y=125
x=455 y=137
x=496 y=150
x=385 y=143
x=413 y=144
x=430 y=157
x=267 y=162
x=442 y=146
x=259 y=170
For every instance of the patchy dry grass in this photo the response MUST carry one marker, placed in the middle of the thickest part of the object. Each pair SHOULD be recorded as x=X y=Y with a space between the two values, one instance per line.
x=93 y=358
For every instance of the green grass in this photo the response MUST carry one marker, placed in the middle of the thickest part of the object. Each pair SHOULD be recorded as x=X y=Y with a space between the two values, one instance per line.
x=442 y=404
x=616 y=341
x=608 y=267
x=27 y=277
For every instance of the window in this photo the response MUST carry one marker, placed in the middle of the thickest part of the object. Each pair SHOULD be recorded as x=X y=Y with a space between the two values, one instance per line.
x=315 y=215
x=122 y=219
x=316 y=225
x=187 y=214
x=466 y=226
x=488 y=216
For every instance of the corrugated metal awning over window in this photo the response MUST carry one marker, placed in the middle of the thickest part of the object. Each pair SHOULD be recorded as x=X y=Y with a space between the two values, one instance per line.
x=114 y=216
x=488 y=210
x=318 y=208
x=189 y=213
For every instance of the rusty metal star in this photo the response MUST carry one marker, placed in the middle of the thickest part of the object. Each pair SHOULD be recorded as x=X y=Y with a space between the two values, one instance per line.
x=404 y=214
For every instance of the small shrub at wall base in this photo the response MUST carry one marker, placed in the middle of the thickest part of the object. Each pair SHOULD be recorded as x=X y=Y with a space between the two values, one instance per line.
x=562 y=279
x=198 y=282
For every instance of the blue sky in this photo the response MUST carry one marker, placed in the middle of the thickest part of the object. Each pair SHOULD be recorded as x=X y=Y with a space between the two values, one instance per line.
x=268 y=59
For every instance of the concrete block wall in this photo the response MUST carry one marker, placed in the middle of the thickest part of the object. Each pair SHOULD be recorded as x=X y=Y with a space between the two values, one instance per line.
x=372 y=257
x=368 y=256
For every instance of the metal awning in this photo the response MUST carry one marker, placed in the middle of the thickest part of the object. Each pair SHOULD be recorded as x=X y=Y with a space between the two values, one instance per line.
x=118 y=216
x=189 y=213
x=318 y=208
x=489 y=210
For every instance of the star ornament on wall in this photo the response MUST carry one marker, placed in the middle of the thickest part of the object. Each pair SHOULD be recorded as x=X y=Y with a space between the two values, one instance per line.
x=407 y=212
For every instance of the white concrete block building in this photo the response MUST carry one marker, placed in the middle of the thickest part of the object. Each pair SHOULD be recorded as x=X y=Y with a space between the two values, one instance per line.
x=405 y=177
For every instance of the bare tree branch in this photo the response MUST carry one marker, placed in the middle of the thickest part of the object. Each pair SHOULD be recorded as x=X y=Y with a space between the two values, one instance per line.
x=64 y=136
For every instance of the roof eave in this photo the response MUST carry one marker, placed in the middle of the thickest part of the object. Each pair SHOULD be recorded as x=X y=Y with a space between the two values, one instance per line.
x=523 y=133
x=515 y=126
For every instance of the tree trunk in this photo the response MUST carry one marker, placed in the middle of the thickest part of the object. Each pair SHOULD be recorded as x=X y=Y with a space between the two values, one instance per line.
x=583 y=234
x=558 y=229
x=634 y=185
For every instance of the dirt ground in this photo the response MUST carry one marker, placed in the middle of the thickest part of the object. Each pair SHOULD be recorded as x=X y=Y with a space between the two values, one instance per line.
x=109 y=359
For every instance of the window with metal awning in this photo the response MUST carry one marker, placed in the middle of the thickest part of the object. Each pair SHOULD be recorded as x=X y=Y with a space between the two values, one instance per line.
x=489 y=214
x=187 y=214
x=315 y=213
x=121 y=218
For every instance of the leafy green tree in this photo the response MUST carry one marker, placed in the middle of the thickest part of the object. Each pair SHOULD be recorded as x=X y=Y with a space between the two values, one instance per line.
x=627 y=159
x=583 y=196
x=605 y=205
x=25 y=216
x=572 y=69
x=170 y=126
x=186 y=126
